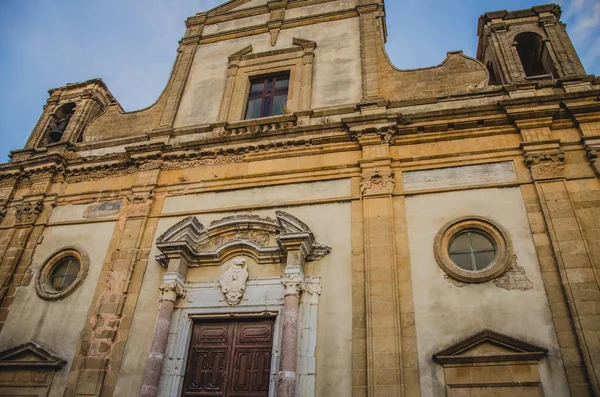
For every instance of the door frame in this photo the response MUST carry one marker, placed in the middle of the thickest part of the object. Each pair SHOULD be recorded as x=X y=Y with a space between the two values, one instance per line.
x=263 y=298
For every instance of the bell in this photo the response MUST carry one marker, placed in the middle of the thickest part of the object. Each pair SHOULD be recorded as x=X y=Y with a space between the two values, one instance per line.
x=55 y=136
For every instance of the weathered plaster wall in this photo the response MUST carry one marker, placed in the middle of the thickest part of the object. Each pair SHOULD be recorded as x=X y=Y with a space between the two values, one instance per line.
x=446 y=313
x=337 y=63
x=331 y=225
x=57 y=325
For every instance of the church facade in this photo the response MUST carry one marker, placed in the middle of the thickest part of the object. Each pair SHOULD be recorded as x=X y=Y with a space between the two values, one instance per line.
x=295 y=216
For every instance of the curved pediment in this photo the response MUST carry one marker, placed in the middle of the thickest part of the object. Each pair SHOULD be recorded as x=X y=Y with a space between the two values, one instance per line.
x=265 y=240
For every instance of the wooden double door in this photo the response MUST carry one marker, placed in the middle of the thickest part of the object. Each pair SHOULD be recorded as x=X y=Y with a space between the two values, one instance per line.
x=230 y=358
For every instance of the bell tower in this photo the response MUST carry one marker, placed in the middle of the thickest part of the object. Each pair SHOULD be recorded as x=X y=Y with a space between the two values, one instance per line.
x=68 y=111
x=523 y=45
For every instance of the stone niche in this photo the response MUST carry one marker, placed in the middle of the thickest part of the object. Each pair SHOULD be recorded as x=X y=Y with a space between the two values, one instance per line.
x=27 y=370
x=491 y=364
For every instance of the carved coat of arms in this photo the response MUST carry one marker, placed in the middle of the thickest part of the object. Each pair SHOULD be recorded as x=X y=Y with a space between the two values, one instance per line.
x=233 y=281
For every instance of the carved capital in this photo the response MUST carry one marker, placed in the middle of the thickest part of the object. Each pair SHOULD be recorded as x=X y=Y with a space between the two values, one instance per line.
x=233 y=281
x=139 y=198
x=546 y=165
x=171 y=290
x=592 y=155
x=377 y=183
x=293 y=283
x=28 y=212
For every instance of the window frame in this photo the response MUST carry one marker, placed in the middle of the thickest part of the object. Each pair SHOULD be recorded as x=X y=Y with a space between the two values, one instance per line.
x=497 y=235
x=267 y=93
x=43 y=285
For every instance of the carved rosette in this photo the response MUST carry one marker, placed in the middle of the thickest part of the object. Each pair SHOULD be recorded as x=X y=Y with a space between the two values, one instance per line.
x=171 y=290
x=233 y=281
x=546 y=165
x=28 y=212
x=293 y=283
x=378 y=183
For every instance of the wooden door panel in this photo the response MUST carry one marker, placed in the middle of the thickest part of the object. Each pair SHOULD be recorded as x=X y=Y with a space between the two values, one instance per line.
x=250 y=373
x=230 y=359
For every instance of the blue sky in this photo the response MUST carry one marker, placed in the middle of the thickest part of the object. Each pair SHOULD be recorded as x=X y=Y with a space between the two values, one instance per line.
x=131 y=45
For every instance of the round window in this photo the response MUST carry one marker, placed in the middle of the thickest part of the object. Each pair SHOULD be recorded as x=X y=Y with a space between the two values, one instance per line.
x=61 y=274
x=64 y=273
x=473 y=249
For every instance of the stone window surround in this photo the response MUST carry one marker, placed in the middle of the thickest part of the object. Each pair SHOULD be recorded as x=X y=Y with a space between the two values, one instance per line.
x=187 y=311
x=499 y=236
x=244 y=65
x=42 y=285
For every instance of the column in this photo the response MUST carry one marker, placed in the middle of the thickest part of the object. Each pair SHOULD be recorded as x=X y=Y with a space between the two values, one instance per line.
x=171 y=289
x=289 y=341
x=298 y=246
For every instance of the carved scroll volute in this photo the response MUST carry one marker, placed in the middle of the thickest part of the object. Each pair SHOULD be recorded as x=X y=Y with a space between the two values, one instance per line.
x=233 y=281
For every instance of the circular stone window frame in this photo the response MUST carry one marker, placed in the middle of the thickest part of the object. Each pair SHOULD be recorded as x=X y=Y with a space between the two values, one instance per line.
x=497 y=234
x=44 y=288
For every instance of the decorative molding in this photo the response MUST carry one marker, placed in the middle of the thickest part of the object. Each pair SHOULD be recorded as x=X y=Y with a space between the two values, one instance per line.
x=378 y=183
x=29 y=211
x=233 y=281
x=265 y=240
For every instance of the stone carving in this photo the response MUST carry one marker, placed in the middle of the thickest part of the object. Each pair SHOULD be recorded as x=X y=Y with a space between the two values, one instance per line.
x=171 y=290
x=293 y=283
x=515 y=278
x=28 y=212
x=233 y=281
x=2 y=213
x=546 y=165
x=138 y=198
x=378 y=182
x=592 y=155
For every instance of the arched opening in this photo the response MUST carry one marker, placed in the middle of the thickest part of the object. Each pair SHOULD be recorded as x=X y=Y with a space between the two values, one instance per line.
x=534 y=55
x=59 y=121
x=493 y=79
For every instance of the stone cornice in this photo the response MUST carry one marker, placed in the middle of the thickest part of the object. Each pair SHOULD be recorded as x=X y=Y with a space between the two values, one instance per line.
x=236 y=141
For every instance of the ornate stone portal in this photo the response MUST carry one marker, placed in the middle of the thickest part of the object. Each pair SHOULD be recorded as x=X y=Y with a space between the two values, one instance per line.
x=285 y=240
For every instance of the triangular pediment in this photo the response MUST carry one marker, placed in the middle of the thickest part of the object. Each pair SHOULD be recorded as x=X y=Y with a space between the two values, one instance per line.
x=489 y=346
x=29 y=355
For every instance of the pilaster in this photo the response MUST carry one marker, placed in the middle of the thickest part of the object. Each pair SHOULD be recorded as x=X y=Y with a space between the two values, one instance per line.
x=371 y=44
x=570 y=279
x=99 y=357
x=384 y=346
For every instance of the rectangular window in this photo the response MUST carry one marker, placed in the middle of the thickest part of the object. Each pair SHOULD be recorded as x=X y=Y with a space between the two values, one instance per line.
x=268 y=96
